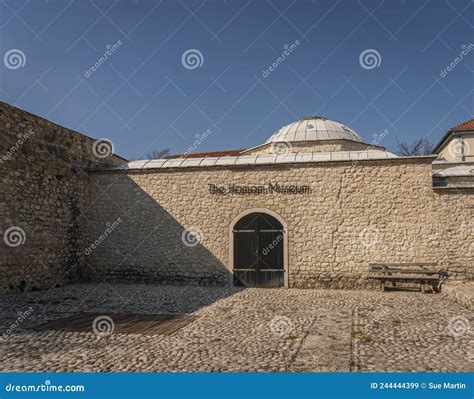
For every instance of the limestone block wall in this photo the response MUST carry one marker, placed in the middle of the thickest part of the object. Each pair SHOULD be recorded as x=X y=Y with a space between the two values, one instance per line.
x=383 y=210
x=42 y=200
x=321 y=146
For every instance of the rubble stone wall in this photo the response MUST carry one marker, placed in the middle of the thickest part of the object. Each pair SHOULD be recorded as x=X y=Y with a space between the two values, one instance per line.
x=322 y=146
x=43 y=196
x=376 y=211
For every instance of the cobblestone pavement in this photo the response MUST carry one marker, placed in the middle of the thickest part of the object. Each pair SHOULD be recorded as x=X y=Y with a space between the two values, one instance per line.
x=241 y=330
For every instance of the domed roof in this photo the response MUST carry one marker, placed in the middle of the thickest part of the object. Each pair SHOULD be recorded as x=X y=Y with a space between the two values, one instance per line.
x=313 y=128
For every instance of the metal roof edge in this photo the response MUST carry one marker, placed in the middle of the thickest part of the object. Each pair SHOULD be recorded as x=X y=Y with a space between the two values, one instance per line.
x=389 y=158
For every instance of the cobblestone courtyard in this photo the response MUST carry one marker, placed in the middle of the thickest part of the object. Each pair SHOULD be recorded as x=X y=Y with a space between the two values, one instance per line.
x=241 y=330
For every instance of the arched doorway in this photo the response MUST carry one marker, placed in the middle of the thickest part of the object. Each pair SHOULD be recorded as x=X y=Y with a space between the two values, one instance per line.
x=258 y=250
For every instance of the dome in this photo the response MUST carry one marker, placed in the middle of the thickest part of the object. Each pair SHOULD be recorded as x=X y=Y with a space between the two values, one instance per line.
x=313 y=128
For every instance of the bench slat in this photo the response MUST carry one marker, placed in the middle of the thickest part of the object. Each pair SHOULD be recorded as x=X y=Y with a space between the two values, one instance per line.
x=404 y=278
x=404 y=264
x=408 y=271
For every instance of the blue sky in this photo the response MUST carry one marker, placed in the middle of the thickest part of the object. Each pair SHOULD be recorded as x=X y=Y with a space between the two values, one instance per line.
x=143 y=97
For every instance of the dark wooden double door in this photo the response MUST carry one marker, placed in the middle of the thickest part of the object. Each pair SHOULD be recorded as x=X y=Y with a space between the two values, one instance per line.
x=258 y=251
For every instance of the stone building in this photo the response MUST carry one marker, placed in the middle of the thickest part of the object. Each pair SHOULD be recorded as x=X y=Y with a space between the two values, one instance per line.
x=458 y=143
x=311 y=207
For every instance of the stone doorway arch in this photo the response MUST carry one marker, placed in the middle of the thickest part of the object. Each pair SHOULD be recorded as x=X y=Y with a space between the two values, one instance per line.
x=258 y=243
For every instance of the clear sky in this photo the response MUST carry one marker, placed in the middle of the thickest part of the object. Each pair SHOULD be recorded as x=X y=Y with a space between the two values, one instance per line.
x=144 y=96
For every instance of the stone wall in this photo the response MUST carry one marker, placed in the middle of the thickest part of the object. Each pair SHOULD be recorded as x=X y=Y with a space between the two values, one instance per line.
x=383 y=210
x=321 y=146
x=43 y=195
x=60 y=223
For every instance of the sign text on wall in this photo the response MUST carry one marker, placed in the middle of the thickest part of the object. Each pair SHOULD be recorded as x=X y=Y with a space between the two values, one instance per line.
x=270 y=188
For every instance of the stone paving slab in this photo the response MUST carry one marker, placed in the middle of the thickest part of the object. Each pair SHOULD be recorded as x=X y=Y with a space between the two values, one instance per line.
x=241 y=330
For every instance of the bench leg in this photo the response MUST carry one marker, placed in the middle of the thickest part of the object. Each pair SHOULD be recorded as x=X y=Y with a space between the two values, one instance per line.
x=382 y=286
x=423 y=287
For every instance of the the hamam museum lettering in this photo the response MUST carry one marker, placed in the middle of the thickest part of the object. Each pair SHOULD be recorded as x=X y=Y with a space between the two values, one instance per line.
x=270 y=188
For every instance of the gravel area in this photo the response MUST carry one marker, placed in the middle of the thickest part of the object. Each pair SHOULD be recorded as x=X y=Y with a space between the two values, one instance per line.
x=241 y=330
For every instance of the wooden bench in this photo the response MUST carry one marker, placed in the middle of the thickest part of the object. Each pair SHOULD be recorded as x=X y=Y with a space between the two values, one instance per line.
x=425 y=274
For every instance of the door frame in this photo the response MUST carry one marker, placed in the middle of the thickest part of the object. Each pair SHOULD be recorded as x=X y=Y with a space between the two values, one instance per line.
x=285 y=243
